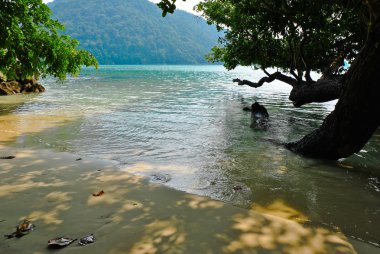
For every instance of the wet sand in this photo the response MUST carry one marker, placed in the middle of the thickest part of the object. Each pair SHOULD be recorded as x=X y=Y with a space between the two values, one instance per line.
x=54 y=191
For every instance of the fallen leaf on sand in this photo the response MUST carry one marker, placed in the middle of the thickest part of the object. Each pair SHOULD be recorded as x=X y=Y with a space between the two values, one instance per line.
x=100 y=193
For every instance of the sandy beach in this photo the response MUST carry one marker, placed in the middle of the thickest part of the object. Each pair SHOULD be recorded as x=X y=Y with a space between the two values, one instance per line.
x=54 y=191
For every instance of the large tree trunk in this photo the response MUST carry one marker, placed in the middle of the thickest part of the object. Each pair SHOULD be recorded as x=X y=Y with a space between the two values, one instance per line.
x=357 y=114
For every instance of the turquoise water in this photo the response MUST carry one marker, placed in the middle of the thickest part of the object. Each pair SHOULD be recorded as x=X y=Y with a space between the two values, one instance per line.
x=183 y=126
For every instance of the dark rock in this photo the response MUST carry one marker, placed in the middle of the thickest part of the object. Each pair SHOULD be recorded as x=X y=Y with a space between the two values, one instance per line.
x=32 y=81
x=259 y=119
x=9 y=87
x=16 y=87
x=259 y=110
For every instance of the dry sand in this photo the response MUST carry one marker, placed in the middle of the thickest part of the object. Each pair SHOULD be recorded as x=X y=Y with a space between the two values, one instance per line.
x=54 y=191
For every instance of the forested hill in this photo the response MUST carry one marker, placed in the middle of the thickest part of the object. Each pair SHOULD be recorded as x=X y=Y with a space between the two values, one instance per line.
x=134 y=32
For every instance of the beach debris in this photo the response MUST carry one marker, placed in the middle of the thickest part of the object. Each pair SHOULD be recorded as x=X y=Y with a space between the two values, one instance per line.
x=2 y=220
x=237 y=188
x=60 y=242
x=87 y=240
x=100 y=193
x=79 y=159
x=160 y=177
x=25 y=227
x=7 y=157
x=22 y=229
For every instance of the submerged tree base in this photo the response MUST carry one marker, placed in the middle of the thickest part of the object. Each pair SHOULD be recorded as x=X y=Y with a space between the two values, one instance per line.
x=357 y=114
x=24 y=86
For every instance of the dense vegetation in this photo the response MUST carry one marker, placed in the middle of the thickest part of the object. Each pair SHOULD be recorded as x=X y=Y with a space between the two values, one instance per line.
x=31 y=45
x=299 y=36
x=296 y=36
x=134 y=32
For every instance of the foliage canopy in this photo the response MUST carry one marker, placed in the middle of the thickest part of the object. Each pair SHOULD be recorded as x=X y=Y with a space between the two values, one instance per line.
x=293 y=35
x=31 y=44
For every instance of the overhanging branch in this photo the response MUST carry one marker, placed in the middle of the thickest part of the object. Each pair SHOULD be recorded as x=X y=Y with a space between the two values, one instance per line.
x=303 y=92
x=270 y=78
x=320 y=91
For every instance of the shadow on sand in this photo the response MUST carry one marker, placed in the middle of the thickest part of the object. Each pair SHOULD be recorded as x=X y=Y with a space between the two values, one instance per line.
x=54 y=190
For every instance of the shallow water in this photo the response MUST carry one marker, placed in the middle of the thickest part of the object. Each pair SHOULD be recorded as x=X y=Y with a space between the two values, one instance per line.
x=184 y=126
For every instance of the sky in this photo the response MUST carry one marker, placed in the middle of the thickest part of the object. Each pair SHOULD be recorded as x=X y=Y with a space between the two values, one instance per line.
x=186 y=6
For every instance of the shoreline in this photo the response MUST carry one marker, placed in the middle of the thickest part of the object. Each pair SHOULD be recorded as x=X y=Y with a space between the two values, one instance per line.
x=54 y=191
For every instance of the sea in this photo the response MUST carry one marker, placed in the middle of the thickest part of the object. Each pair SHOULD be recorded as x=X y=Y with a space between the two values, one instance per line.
x=184 y=127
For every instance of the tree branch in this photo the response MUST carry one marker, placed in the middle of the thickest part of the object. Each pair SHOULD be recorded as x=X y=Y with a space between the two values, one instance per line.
x=303 y=92
x=293 y=73
x=271 y=77
x=320 y=91
x=266 y=72
x=253 y=84
x=308 y=77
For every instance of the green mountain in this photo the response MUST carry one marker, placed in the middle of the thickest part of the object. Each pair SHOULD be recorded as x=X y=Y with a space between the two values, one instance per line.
x=134 y=32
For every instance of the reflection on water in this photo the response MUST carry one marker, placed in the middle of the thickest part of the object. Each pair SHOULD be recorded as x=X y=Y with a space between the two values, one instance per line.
x=184 y=126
